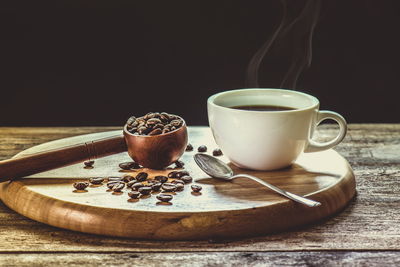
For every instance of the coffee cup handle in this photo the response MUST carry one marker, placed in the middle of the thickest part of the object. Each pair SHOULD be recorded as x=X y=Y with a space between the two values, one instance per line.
x=314 y=146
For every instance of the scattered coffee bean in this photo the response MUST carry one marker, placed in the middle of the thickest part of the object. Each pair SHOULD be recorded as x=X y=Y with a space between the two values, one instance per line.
x=131 y=182
x=127 y=178
x=134 y=194
x=111 y=184
x=156 y=186
x=128 y=165
x=179 y=187
x=137 y=185
x=172 y=174
x=187 y=179
x=168 y=187
x=196 y=188
x=81 y=185
x=165 y=197
x=141 y=176
x=178 y=181
x=202 y=148
x=89 y=163
x=179 y=164
x=161 y=178
x=118 y=187
x=189 y=147
x=145 y=190
x=96 y=180
x=154 y=123
x=181 y=174
x=217 y=152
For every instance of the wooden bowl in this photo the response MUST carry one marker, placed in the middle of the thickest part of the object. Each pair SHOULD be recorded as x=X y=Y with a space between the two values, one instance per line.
x=157 y=151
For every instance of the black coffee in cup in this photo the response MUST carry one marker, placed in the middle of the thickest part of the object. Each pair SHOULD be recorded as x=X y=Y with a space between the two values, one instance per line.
x=263 y=108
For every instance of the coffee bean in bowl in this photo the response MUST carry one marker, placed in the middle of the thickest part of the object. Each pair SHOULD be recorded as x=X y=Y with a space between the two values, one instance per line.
x=156 y=139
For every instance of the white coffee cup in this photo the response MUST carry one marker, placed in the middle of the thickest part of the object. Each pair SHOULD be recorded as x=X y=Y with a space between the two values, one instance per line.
x=268 y=140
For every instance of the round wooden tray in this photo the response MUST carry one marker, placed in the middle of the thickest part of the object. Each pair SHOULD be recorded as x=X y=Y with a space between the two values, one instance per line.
x=223 y=209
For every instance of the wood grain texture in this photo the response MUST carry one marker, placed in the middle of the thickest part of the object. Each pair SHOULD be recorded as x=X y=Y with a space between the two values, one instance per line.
x=200 y=259
x=223 y=210
x=369 y=223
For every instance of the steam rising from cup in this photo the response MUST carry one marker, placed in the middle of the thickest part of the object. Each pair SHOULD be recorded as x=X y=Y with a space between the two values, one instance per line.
x=300 y=29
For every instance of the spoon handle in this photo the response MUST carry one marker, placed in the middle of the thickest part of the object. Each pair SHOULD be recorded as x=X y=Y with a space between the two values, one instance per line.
x=297 y=198
x=55 y=158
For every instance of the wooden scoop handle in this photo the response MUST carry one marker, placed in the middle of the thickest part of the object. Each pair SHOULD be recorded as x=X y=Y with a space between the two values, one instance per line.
x=47 y=160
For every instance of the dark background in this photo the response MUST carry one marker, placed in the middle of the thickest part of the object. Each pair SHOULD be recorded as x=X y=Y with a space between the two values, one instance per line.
x=97 y=63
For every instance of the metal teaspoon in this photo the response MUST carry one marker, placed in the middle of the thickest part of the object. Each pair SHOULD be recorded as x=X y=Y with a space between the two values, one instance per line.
x=218 y=169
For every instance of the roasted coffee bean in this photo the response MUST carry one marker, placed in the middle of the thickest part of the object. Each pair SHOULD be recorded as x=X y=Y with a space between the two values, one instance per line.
x=176 y=123
x=179 y=164
x=127 y=178
x=111 y=184
x=159 y=125
x=178 y=181
x=143 y=130
x=81 y=185
x=189 y=147
x=96 y=180
x=89 y=163
x=153 y=121
x=165 y=130
x=149 y=115
x=202 y=148
x=181 y=174
x=196 y=188
x=135 y=123
x=118 y=187
x=166 y=115
x=130 y=121
x=163 y=118
x=165 y=197
x=137 y=185
x=187 y=179
x=168 y=187
x=172 y=174
x=161 y=178
x=131 y=182
x=173 y=128
x=217 y=152
x=127 y=165
x=156 y=131
x=134 y=194
x=141 y=176
x=156 y=186
x=133 y=130
x=179 y=187
x=145 y=190
x=173 y=117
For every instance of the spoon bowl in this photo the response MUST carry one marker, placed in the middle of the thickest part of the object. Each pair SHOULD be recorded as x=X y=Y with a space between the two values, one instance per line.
x=220 y=170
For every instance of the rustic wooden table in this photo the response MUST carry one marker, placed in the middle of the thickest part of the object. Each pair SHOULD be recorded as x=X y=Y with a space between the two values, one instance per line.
x=366 y=233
